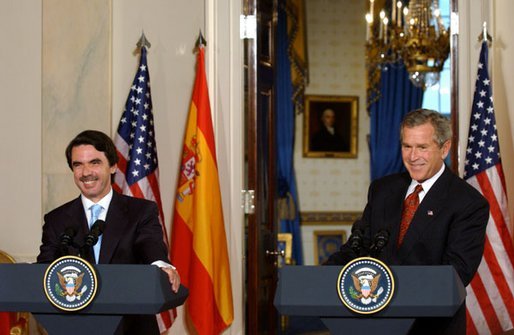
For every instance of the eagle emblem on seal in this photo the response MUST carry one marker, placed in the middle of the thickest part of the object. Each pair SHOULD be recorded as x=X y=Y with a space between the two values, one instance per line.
x=365 y=282
x=71 y=285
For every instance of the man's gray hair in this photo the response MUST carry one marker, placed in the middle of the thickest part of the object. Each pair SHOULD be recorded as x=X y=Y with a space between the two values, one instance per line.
x=418 y=117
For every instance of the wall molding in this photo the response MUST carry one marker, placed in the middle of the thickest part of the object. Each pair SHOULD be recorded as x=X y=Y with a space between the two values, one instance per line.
x=329 y=218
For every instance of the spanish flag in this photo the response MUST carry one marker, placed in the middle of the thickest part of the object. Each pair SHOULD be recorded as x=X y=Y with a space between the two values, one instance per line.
x=5 y=328
x=198 y=242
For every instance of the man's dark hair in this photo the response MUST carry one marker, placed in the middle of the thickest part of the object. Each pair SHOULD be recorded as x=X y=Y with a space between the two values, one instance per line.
x=97 y=139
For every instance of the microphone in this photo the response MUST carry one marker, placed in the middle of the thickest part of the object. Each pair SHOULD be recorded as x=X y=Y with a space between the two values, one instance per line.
x=96 y=230
x=379 y=242
x=355 y=240
x=67 y=240
x=348 y=251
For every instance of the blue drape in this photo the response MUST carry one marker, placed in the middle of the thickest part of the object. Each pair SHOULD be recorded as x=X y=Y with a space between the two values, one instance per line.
x=285 y=129
x=397 y=97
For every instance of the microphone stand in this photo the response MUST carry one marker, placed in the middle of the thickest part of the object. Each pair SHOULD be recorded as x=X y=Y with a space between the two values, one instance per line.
x=86 y=250
x=67 y=241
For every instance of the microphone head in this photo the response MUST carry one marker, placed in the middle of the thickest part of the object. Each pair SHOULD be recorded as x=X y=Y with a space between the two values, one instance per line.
x=96 y=230
x=70 y=231
x=383 y=235
x=98 y=227
x=380 y=240
x=355 y=240
x=67 y=240
x=67 y=236
x=356 y=231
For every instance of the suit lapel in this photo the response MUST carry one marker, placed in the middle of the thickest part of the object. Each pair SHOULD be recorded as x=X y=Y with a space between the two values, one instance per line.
x=114 y=227
x=394 y=205
x=427 y=212
x=76 y=218
x=393 y=212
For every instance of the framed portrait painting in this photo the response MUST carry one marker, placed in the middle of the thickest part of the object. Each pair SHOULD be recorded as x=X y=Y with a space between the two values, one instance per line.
x=326 y=242
x=330 y=126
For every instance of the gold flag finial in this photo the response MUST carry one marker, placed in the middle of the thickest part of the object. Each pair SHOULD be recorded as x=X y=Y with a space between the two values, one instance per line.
x=143 y=42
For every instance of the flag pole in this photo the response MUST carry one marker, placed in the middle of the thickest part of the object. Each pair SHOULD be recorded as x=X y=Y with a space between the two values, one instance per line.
x=198 y=247
x=484 y=35
x=137 y=173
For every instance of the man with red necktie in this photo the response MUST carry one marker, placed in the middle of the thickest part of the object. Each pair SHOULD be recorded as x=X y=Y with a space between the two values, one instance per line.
x=430 y=215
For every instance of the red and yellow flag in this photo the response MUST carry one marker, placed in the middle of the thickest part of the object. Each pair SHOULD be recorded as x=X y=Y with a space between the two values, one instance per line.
x=198 y=240
x=5 y=323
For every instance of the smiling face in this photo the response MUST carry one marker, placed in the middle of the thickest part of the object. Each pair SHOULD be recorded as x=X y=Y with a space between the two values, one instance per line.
x=91 y=171
x=421 y=154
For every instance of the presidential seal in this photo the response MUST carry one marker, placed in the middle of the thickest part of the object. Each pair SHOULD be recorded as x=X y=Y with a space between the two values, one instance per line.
x=70 y=283
x=365 y=285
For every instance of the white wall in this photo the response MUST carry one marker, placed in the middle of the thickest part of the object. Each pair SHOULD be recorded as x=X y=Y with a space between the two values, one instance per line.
x=502 y=73
x=20 y=127
x=498 y=16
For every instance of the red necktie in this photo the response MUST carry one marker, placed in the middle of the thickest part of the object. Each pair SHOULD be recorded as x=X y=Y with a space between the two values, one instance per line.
x=410 y=204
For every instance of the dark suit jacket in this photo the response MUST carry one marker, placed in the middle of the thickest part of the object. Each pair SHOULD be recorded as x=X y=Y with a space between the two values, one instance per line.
x=448 y=226
x=323 y=140
x=132 y=235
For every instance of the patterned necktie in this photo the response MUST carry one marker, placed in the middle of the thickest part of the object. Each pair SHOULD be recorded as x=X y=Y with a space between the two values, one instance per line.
x=96 y=209
x=410 y=205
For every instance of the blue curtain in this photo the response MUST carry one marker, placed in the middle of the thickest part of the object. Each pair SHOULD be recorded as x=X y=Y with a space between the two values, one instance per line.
x=285 y=129
x=397 y=96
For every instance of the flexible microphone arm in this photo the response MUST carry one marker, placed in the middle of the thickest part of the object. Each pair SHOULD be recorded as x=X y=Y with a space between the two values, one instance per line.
x=355 y=241
x=91 y=239
x=67 y=240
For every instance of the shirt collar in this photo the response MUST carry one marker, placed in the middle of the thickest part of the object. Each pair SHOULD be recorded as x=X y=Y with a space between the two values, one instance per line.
x=427 y=184
x=104 y=202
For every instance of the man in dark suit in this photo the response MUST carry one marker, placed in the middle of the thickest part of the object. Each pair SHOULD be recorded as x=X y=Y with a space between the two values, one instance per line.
x=449 y=225
x=132 y=234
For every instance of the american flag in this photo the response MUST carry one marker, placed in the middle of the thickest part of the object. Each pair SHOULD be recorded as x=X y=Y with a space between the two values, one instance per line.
x=490 y=300
x=138 y=173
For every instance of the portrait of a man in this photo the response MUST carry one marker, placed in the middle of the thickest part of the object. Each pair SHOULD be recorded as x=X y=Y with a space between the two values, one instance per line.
x=328 y=137
x=330 y=128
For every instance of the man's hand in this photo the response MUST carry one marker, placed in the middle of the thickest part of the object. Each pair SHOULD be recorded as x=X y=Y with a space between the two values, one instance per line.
x=173 y=277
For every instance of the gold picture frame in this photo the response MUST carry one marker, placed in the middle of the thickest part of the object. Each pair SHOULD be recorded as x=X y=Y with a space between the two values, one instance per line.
x=327 y=242
x=331 y=230
x=285 y=245
x=330 y=126
x=345 y=218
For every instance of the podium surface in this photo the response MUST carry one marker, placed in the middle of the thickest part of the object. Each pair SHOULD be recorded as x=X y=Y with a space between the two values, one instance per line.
x=123 y=289
x=420 y=291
